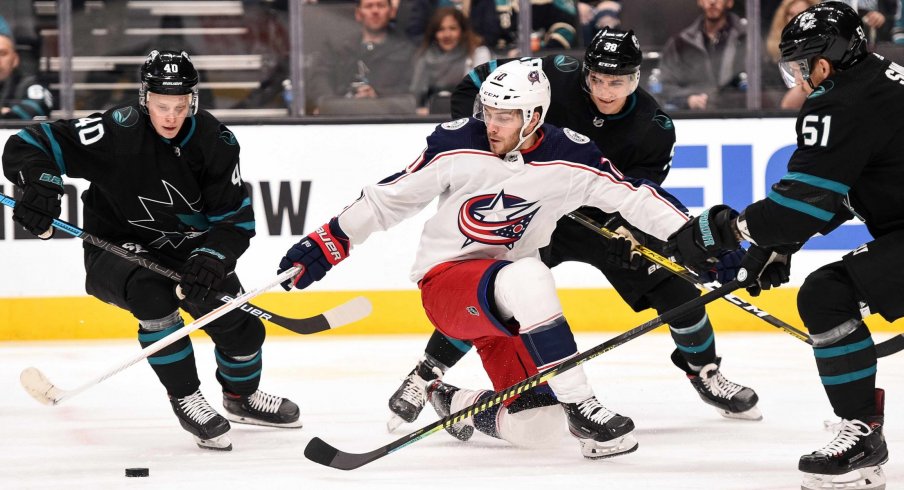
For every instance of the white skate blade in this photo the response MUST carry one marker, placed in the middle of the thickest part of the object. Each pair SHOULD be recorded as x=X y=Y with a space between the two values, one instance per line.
x=219 y=443
x=394 y=423
x=869 y=478
x=598 y=450
x=39 y=387
x=251 y=421
x=753 y=414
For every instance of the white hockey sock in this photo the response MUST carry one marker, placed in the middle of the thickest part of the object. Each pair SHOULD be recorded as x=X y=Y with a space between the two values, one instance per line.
x=465 y=398
x=571 y=386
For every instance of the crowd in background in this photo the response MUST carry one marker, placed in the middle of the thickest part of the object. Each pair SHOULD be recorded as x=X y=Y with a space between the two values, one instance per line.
x=405 y=56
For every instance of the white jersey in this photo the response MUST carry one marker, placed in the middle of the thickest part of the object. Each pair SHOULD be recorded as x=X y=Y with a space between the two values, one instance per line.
x=503 y=208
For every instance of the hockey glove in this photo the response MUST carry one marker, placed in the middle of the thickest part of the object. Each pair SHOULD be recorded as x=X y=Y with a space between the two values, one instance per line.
x=727 y=268
x=620 y=252
x=317 y=253
x=40 y=202
x=763 y=269
x=204 y=271
x=699 y=241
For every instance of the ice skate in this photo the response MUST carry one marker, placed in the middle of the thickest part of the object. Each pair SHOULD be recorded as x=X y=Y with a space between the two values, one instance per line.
x=202 y=421
x=440 y=396
x=261 y=408
x=731 y=400
x=851 y=461
x=601 y=432
x=408 y=401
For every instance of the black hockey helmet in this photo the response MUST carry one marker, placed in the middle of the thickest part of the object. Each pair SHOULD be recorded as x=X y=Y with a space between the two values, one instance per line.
x=613 y=52
x=831 y=30
x=169 y=73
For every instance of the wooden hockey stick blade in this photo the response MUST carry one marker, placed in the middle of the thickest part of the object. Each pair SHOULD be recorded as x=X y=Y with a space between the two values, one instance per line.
x=319 y=451
x=890 y=346
x=39 y=387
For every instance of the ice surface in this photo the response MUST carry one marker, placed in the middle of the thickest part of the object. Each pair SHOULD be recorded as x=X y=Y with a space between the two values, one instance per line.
x=342 y=385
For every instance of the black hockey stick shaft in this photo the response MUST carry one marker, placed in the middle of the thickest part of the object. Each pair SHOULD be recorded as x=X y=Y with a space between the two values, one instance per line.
x=685 y=274
x=323 y=453
x=883 y=349
x=303 y=326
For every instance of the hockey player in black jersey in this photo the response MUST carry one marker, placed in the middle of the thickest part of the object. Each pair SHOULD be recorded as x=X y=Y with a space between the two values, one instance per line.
x=849 y=162
x=600 y=98
x=165 y=183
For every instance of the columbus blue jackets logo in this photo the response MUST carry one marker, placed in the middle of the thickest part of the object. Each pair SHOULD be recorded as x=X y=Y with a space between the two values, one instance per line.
x=533 y=77
x=495 y=219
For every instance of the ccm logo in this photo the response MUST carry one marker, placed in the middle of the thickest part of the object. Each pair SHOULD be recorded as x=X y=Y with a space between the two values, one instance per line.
x=330 y=245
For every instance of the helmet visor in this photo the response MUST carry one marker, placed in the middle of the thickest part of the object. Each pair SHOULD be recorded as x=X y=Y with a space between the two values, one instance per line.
x=505 y=118
x=606 y=86
x=794 y=72
x=170 y=106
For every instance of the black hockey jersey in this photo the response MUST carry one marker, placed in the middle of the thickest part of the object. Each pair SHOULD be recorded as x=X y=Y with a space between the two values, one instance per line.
x=638 y=140
x=171 y=196
x=849 y=159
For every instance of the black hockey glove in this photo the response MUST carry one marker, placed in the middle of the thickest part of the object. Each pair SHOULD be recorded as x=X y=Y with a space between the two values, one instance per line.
x=727 y=268
x=699 y=241
x=40 y=202
x=620 y=252
x=317 y=253
x=762 y=269
x=204 y=271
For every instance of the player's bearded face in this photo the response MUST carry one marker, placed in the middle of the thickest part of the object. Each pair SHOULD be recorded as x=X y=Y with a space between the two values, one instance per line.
x=503 y=128
x=168 y=112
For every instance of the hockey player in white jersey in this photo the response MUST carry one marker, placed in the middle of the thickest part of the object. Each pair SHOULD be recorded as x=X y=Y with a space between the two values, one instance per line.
x=503 y=180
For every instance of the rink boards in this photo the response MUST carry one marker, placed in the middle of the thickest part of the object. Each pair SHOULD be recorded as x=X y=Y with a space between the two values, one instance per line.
x=300 y=176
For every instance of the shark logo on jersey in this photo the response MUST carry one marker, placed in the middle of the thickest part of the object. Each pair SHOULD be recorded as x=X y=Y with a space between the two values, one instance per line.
x=228 y=138
x=664 y=121
x=824 y=87
x=495 y=219
x=565 y=63
x=456 y=124
x=173 y=232
x=125 y=117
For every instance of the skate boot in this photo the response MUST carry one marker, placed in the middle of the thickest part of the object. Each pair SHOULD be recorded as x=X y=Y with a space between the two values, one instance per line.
x=202 y=421
x=732 y=400
x=853 y=459
x=601 y=432
x=408 y=401
x=440 y=396
x=261 y=408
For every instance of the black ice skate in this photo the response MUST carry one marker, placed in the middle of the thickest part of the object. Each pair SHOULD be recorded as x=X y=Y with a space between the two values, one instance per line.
x=601 y=432
x=852 y=460
x=732 y=400
x=261 y=408
x=440 y=396
x=408 y=401
x=202 y=421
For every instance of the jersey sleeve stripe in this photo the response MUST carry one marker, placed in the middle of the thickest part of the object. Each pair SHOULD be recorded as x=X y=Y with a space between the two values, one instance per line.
x=800 y=206
x=245 y=203
x=474 y=78
x=28 y=138
x=829 y=185
x=55 y=146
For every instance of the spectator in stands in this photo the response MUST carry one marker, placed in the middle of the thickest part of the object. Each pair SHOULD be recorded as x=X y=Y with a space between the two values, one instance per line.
x=21 y=95
x=373 y=63
x=878 y=18
x=897 y=31
x=596 y=15
x=703 y=66
x=449 y=51
x=792 y=98
x=493 y=22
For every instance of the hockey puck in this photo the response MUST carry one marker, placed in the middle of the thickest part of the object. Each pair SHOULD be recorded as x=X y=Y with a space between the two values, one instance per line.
x=133 y=472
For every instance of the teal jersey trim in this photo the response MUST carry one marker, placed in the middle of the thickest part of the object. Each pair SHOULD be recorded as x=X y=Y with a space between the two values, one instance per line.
x=57 y=151
x=237 y=379
x=632 y=103
x=800 y=206
x=245 y=203
x=172 y=358
x=32 y=141
x=828 y=352
x=696 y=349
x=829 y=185
x=221 y=360
x=847 y=378
x=191 y=132
x=245 y=225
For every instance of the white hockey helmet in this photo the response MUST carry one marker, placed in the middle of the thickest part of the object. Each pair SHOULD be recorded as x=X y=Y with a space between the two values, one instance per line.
x=516 y=85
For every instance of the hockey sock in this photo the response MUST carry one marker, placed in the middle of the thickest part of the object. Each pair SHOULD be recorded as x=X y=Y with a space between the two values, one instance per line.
x=847 y=368
x=174 y=365
x=445 y=351
x=240 y=375
x=695 y=340
x=551 y=343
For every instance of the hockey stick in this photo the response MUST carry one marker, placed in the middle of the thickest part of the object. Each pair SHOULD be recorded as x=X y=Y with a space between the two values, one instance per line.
x=303 y=326
x=40 y=388
x=323 y=453
x=886 y=348
x=685 y=274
